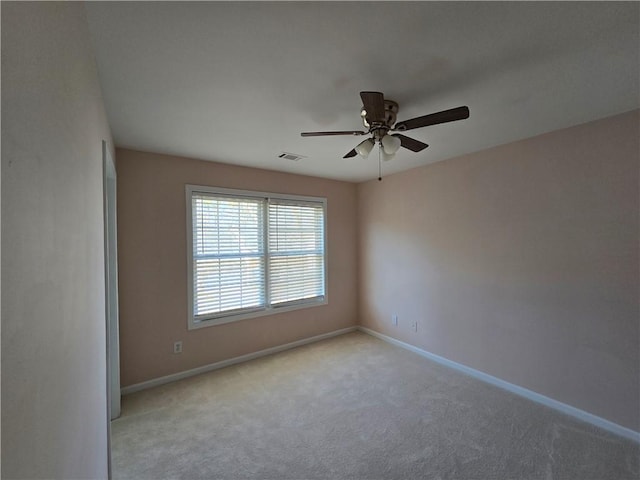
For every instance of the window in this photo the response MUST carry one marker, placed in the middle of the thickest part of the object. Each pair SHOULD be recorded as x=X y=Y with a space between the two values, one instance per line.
x=252 y=254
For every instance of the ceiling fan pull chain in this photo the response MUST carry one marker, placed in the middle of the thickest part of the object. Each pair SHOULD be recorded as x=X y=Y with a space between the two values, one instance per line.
x=379 y=164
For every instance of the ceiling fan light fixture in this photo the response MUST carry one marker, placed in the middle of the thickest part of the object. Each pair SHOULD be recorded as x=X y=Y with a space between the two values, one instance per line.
x=390 y=144
x=364 y=148
x=363 y=114
x=386 y=156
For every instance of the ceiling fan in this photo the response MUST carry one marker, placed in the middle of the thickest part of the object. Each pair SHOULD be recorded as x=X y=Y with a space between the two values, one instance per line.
x=379 y=116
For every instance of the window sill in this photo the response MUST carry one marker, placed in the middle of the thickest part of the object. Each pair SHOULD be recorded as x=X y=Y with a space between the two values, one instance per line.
x=260 y=313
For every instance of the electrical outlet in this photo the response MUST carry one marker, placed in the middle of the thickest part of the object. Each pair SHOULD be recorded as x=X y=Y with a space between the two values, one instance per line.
x=414 y=326
x=394 y=319
x=177 y=347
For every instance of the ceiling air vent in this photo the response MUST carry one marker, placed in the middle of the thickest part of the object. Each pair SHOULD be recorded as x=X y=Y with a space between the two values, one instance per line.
x=291 y=156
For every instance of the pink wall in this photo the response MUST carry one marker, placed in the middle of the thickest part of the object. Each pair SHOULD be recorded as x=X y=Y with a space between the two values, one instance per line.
x=153 y=265
x=520 y=261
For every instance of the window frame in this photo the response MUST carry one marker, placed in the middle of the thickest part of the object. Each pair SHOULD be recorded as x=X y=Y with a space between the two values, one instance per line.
x=268 y=309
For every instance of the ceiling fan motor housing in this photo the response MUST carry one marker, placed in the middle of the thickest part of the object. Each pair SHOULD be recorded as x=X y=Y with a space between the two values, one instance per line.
x=390 y=112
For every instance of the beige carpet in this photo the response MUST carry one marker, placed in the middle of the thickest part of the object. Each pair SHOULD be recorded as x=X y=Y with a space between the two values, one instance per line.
x=354 y=407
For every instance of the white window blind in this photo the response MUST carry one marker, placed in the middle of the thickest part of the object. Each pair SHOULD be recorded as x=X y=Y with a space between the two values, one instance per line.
x=228 y=254
x=251 y=253
x=296 y=251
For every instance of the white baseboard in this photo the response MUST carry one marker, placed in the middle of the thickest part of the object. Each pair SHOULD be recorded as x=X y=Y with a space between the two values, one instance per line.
x=231 y=361
x=531 y=395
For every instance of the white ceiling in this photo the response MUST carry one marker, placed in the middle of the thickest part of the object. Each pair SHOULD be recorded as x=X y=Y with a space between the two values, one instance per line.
x=236 y=82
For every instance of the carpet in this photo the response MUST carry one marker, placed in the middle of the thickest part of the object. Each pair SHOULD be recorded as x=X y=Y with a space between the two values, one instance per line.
x=354 y=407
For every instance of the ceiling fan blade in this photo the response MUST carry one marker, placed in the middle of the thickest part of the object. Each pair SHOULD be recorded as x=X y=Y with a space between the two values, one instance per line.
x=325 y=134
x=352 y=153
x=445 y=116
x=373 y=103
x=411 y=143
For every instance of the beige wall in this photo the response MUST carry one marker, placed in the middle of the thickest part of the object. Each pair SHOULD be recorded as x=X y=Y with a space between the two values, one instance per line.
x=520 y=261
x=153 y=265
x=54 y=410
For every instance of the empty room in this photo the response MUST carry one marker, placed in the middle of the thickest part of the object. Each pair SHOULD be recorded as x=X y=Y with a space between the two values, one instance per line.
x=320 y=240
